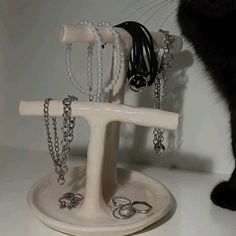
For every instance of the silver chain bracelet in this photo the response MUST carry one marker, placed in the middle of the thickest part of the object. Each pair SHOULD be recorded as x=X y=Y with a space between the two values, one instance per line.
x=60 y=151
x=160 y=89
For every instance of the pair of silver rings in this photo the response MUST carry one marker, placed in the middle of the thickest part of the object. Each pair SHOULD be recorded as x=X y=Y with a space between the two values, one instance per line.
x=70 y=200
x=125 y=209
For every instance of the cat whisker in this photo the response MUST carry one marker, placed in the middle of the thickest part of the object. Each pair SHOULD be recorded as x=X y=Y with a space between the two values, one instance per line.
x=166 y=5
x=129 y=6
x=141 y=8
x=169 y=15
x=156 y=6
x=135 y=11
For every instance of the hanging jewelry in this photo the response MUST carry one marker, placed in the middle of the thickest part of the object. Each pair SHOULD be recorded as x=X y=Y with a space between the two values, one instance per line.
x=118 y=54
x=59 y=154
x=71 y=76
x=90 y=71
x=143 y=63
x=100 y=88
x=160 y=89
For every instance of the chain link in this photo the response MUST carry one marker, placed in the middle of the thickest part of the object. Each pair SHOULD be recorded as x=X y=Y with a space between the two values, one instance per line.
x=160 y=91
x=60 y=152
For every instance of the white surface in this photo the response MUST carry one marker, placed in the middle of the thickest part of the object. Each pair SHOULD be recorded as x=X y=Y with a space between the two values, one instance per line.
x=195 y=215
x=32 y=68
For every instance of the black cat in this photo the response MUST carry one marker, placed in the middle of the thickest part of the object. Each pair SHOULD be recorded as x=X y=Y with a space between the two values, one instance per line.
x=209 y=25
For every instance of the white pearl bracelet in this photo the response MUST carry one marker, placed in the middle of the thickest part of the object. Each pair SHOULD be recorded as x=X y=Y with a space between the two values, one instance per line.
x=100 y=89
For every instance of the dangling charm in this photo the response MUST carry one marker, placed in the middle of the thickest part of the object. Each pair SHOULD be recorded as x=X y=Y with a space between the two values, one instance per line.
x=158 y=140
x=160 y=90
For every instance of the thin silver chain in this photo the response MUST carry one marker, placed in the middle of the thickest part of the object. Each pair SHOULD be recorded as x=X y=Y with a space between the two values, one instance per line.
x=60 y=152
x=160 y=91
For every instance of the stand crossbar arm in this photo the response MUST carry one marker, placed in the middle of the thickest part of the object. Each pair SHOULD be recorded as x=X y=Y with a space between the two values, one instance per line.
x=106 y=112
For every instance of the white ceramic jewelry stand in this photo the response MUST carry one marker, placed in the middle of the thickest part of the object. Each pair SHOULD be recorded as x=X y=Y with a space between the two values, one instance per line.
x=101 y=180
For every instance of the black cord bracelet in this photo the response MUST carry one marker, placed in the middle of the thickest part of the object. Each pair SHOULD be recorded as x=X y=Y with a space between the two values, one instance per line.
x=143 y=62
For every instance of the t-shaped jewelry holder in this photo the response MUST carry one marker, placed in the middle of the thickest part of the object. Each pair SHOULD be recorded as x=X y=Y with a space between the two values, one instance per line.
x=94 y=216
x=101 y=180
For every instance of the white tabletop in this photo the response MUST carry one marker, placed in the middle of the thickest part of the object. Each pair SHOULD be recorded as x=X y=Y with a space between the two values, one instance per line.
x=195 y=214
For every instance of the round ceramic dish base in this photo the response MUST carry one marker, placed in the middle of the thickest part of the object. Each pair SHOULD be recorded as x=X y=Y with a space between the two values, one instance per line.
x=43 y=201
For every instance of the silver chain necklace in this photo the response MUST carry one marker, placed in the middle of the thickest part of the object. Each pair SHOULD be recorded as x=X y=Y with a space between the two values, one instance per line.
x=161 y=88
x=60 y=151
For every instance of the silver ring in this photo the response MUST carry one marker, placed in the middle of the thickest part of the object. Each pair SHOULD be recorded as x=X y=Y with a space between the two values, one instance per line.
x=66 y=202
x=70 y=200
x=126 y=211
x=71 y=195
x=147 y=207
x=126 y=214
x=116 y=214
x=121 y=201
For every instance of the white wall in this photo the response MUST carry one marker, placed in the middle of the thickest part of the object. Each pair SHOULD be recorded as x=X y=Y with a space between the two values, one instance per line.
x=32 y=67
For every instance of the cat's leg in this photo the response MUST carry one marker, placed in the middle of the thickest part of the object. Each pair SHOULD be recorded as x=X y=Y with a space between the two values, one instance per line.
x=224 y=194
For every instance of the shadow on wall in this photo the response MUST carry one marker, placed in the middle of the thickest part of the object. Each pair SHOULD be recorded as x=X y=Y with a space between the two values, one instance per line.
x=173 y=158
